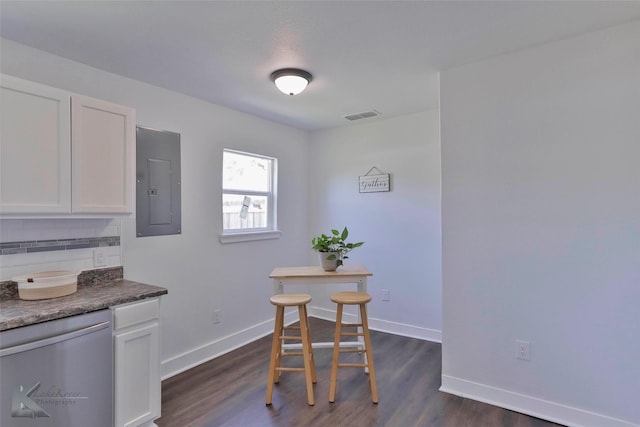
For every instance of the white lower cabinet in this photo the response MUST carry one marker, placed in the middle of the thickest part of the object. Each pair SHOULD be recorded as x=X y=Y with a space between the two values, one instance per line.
x=137 y=388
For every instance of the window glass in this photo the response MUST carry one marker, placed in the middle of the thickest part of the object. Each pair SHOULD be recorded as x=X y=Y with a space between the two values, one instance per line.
x=246 y=171
x=248 y=193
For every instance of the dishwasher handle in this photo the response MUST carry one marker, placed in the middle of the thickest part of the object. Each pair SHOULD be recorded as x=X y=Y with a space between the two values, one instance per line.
x=53 y=340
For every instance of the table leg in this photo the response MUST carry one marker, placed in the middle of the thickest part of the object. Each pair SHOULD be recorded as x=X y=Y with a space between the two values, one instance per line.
x=278 y=287
x=362 y=287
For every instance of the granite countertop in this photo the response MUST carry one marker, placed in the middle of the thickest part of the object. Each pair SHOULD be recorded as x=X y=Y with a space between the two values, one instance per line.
x=92 y=295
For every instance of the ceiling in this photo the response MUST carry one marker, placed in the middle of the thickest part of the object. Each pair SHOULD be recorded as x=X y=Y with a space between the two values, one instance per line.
x=364 y=55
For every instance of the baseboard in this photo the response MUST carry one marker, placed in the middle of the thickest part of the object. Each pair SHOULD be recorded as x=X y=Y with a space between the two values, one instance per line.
x=529 y=405
x=192 y=358
x=380 y=325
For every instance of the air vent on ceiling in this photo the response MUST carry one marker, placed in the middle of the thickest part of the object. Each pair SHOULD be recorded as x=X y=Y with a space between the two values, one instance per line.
x=363 y=115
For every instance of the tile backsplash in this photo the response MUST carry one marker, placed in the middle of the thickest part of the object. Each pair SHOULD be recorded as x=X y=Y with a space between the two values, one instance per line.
x=24 y=247
x=31 y=245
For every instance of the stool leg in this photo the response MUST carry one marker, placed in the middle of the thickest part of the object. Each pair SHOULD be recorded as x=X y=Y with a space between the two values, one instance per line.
x=336 y=354
x=314 y=376
x=306 y=346
x=276 y=348
x=280 y=351
x=368 y=352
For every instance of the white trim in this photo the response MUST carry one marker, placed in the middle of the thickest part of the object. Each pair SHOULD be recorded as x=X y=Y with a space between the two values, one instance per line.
x=539 y=408
x=380 y=325
x=247 y=237
x=192 y=358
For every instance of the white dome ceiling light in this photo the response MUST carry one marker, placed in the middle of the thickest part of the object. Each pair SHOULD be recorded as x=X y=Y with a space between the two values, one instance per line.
x=291 y=81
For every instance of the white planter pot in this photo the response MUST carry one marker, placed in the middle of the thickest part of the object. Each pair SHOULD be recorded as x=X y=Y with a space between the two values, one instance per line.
x=329 y=264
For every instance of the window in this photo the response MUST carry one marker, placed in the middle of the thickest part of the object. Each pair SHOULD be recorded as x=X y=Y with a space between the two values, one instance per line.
x=248 y=196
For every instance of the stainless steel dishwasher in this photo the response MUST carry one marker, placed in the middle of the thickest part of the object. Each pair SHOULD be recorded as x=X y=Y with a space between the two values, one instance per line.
x=58 y=373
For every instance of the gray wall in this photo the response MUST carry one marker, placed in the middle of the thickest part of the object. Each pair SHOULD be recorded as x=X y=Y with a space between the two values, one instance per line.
x=541 y=228
x=401 y=228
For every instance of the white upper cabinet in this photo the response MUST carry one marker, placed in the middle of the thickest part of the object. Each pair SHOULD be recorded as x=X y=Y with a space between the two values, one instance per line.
x=63 y=154
x=103 y=141
x=35 y=148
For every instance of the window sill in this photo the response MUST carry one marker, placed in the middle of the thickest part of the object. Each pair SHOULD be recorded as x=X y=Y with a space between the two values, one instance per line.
x=249 y=236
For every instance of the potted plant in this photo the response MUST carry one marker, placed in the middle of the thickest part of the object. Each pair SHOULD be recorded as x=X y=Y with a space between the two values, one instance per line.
x=333 y=249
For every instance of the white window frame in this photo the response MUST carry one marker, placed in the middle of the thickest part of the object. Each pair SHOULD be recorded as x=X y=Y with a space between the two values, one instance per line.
x=262 y=233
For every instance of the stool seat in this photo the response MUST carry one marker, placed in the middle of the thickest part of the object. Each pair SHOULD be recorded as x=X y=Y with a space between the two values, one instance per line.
x=290 y=300
x=280 y=336
x=351 y=298
x=362 y=330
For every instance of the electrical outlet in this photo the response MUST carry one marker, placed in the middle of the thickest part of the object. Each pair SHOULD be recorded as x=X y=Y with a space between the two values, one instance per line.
x=216 y=316
x=386 y=295
x=523 y=350
x=99 y=257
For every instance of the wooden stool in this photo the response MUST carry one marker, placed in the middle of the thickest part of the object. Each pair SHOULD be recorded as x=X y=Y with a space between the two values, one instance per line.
x=361 y=299
x=289 y=300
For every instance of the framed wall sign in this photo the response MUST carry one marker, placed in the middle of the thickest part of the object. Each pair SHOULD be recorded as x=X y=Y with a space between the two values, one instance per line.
x=374 y=183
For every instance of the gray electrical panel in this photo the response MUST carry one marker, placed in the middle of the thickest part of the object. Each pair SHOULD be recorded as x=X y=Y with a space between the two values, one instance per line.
x=157 y=182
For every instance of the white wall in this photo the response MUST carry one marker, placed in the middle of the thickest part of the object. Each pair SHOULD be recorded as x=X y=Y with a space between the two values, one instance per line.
x=400 y=228
x=200 y=273
x=541 y=228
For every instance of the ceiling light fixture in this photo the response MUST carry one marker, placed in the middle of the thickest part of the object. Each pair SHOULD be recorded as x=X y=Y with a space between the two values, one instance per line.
x=291 y=81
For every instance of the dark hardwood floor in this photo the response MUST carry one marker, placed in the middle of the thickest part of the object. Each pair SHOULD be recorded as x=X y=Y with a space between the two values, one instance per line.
x=230 y=390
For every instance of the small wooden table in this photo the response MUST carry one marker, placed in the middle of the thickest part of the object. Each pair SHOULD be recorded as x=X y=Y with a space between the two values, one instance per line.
x=315 y=275
x=312 y=275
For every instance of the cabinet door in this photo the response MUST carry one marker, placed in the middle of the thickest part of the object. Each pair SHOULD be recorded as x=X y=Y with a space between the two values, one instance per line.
x=103 y=156
x=35 y=148
x=137 y=378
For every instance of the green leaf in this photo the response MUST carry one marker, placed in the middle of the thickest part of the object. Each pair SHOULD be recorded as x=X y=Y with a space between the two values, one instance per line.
x=335 y=242
x=345 y=234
